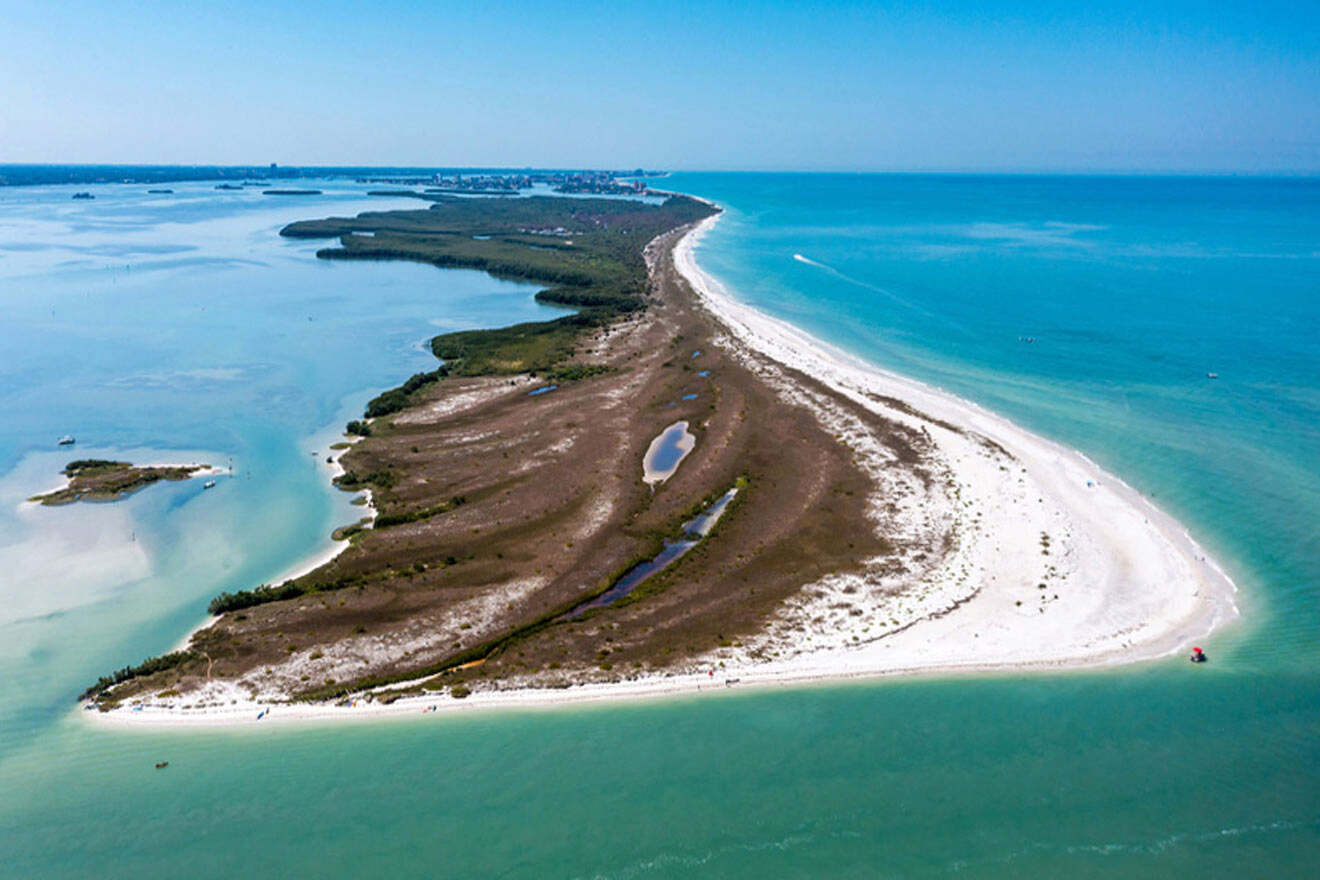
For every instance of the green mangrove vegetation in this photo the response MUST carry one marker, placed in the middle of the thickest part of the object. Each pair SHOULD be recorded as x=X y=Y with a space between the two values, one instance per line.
x=83 y=464
x=146 y=667
x=240 y=599
x=99 y=479
x=397 y=399
x=589 y=250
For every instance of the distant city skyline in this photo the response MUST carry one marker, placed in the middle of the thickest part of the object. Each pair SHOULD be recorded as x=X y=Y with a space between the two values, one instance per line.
x=1017 y=87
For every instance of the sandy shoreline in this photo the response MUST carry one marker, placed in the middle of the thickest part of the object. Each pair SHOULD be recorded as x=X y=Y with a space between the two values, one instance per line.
x=1120 y=581
x=1152 y=588
x=316 y=558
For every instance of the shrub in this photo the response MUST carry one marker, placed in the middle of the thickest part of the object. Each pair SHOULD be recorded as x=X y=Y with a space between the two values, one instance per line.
x=87 y=463
x=146 y=667
x=397 y=398
x=240 y=599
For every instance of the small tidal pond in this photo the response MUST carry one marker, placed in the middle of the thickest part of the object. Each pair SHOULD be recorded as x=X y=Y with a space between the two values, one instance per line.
x=694 y=530
x=667 y=452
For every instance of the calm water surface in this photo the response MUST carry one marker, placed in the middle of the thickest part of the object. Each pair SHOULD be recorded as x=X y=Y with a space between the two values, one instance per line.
x=669 y=452
x=181 y=327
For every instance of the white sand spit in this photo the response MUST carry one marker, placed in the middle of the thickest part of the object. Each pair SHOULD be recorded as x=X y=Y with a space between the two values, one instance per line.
x=1012 y=552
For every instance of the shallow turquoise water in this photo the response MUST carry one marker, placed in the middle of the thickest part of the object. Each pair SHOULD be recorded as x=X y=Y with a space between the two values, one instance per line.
x=1133 y=289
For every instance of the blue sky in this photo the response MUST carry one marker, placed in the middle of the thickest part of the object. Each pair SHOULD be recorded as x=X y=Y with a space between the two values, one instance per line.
x=1146 y=86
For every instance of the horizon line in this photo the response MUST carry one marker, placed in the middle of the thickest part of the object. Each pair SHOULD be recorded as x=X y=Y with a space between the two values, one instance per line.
x=951 y=171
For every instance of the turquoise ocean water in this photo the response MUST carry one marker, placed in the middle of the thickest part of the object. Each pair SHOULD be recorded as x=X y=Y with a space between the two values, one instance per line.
x=181 y=327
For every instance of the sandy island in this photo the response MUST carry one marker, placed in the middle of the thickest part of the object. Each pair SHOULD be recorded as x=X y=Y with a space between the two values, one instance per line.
x=95 y=479
x=1053 y=562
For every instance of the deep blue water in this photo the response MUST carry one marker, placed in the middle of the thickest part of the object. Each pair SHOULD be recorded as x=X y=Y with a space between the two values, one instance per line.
x=181 y=328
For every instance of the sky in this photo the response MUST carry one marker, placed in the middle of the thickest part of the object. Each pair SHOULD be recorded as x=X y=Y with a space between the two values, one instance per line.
x=1016 y=86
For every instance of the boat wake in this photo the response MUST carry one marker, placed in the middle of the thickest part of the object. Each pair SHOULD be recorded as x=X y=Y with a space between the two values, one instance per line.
x=875 y=288
x=811 y=262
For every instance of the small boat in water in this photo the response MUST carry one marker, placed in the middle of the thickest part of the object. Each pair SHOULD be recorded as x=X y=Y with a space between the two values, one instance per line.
x=67 y=440
x=1212 y=375
x=161 y=765
x=1198 y=656
x=209 y=484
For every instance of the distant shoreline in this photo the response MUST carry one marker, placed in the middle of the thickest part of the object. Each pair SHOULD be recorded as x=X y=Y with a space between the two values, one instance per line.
x=73 y=174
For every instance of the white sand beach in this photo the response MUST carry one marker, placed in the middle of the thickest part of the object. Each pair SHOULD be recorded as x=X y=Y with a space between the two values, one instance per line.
x=1047 y=561
x=1131 y=583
